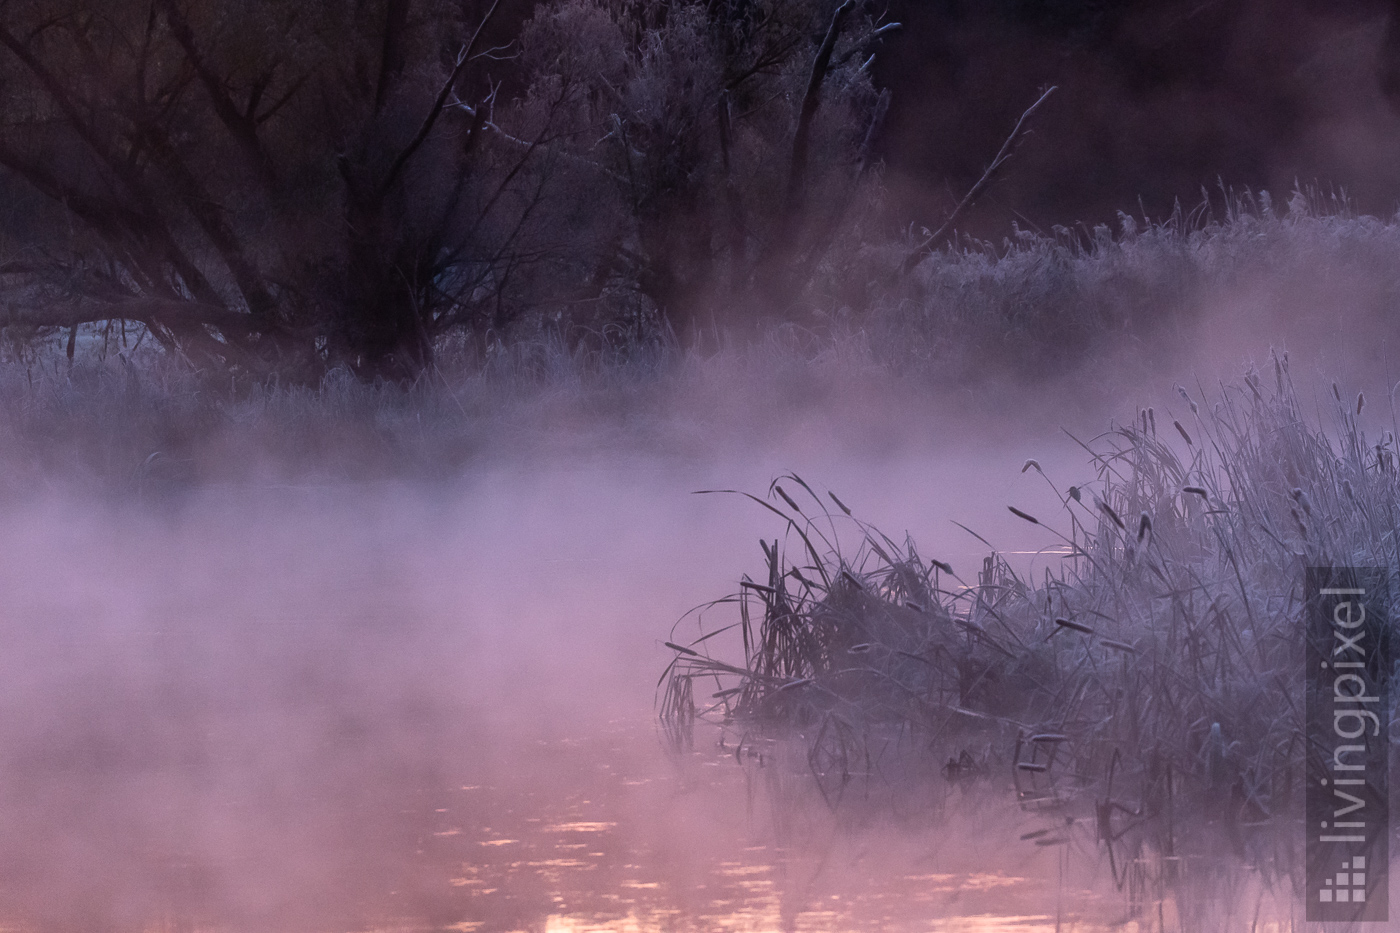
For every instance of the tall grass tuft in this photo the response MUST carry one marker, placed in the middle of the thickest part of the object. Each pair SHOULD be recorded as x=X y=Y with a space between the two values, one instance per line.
x=1148 y=691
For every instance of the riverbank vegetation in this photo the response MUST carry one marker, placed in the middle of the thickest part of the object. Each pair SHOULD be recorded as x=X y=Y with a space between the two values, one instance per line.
x=981 y=321
x=1144 y=692
x=279 y=194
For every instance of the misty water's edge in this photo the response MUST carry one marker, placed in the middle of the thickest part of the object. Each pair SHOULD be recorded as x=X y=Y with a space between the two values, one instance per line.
x=252 y=693
x=256 y=648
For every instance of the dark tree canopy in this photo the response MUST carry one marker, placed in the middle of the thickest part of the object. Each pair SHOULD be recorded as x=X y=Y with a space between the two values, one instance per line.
x=293 y=184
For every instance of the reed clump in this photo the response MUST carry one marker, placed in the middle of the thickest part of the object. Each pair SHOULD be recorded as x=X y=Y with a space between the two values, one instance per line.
x=1147 y=691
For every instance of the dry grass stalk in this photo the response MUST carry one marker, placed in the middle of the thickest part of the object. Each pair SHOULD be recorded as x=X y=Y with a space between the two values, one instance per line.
x=1167 y=692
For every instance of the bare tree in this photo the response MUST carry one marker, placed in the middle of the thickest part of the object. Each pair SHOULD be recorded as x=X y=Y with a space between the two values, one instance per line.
x=260 y=183
x=267 y=183
x=730 y=134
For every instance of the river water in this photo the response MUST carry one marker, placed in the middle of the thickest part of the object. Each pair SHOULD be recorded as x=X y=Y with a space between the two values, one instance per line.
x=401 y=707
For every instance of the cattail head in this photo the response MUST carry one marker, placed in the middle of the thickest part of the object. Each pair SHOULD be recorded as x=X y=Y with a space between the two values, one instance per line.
x=787 y=499
x=1019 y=514
x=1076 y=626
x=1113 y=516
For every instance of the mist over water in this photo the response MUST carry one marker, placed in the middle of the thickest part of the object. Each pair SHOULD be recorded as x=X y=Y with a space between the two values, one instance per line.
x=357 y=379
x=429 y=705
x=252 y=707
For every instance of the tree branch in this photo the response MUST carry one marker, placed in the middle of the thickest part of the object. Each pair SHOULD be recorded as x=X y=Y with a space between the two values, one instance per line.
x=115 y=222
x=797 y=172
x=209 y=216
x=925 y=249
x=439 y=103
x=180 y=326
x=126 y=173
x=243 y=127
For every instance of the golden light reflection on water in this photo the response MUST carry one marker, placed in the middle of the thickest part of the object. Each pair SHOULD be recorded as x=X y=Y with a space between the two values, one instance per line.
x=704 y=845
x=653 y=844
x=208 y=732
x=549 y=842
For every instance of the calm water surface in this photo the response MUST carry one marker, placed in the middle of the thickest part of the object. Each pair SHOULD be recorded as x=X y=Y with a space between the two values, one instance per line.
x=356 y=709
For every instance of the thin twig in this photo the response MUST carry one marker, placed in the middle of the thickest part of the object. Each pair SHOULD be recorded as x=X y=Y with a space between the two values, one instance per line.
x=925 y=249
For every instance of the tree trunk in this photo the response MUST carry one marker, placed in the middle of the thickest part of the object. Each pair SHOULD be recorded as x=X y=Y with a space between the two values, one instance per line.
x=382 y=330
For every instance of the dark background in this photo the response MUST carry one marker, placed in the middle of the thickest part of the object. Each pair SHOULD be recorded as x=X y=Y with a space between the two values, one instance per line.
x=349 y=236
x=1157 y=99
